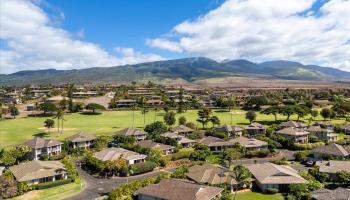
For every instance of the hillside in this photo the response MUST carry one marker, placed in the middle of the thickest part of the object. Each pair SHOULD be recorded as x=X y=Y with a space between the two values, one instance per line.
x=187 y=69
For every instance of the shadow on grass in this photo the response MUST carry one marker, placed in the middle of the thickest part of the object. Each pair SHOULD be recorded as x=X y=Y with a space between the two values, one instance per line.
x=41 y=134
x=116 y=127
x=90 y=113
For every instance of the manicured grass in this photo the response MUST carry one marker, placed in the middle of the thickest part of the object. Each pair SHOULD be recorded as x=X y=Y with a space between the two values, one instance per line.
x=258 y=196
x=14 y=131
x=59 y=192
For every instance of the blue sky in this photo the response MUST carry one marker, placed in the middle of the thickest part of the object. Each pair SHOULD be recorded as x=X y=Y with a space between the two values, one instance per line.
x=75 y=34
x=111 y=23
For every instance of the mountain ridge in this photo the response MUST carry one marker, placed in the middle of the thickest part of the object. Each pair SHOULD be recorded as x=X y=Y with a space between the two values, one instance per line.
x=186 y=69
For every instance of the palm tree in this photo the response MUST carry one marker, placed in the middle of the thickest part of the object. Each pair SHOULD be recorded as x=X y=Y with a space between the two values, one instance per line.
x=242 y=176
x=59 y=116
x=49 y=123
x=156 y=109
x=143 y=112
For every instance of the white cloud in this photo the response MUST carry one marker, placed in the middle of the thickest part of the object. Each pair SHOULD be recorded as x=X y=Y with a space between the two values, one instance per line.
x=262 y=30
x=33 y=42
x=129 y=56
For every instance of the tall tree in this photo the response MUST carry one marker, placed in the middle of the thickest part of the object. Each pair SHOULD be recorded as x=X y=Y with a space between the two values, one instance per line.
x=215 y=120
x=250 y=115
x=242 y=176
x=13 y=111
x=169 y=118
x=204 y=116
x=180 y=108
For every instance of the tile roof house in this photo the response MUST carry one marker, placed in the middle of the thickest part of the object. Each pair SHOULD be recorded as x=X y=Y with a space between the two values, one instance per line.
x=178 y=190
x=167 y=149
x=185 y=142
x=41 y=146
x=327 y=194
x=81 y=140
x=345 y=128
x=182 y=130
x=250 y=143
x=331 y=167
x=117 y=153
x=217 y=144
x=325 y=124
x=134 y=132
x=323 y=133
x=212 y=175
x=295 y=134
x=293 y=124
x=269 y=175
x=331 y=150
x=232 y=131
x=35 y=172
x=255 y=129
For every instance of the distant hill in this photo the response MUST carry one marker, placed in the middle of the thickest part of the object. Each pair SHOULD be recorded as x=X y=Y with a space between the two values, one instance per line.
x=187 y=69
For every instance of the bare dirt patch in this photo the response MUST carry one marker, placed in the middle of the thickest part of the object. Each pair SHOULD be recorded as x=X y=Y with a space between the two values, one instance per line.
x=55 y=128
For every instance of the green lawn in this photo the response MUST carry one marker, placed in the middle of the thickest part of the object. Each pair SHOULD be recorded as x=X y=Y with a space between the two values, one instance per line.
x=14 y=131
x=258 y=196
x=59 y=192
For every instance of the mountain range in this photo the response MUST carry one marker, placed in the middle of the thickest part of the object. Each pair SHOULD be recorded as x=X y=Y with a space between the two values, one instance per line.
x=186 y=69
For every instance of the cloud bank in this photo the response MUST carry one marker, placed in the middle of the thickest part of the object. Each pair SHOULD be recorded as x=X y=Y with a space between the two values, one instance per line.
x=309 y=31
x=30 y=39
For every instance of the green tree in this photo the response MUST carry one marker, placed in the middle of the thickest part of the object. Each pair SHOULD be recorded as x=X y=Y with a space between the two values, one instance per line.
x=242 y=176
x=251 y=116
x=182 y=120
x=48 y=107
x=314 y=114
x=215 y=120
x=13 y=111
x=155 y=129
x=94 y=107
x=144 y=111
x=169 y=118
x=273 y=110
x=230 y=154
x=326 y=113
x=204 y=116
x=49 y=123
x=343 y=178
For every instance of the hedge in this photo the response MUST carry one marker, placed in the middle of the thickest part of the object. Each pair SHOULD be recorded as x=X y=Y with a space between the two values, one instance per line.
x=144 y=167
x=41 y=186
x=308 y=146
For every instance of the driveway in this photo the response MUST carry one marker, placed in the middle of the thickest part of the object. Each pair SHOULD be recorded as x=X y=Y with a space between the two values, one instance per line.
x=97 y=187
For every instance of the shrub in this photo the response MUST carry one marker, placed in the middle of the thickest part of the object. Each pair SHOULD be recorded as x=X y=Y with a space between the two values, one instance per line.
x=271 y=191
x=257 y=153
x=307 y=146
x=181 y=155
x=302 y=156
x=144 y=167
x=41 y=186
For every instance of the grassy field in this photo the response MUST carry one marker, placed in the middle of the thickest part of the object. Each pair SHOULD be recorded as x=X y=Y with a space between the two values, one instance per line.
x=14 y=131
x=258 y=196
x=59 y=192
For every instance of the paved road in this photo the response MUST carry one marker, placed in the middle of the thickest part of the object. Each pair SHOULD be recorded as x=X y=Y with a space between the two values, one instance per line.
x=97 y=187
